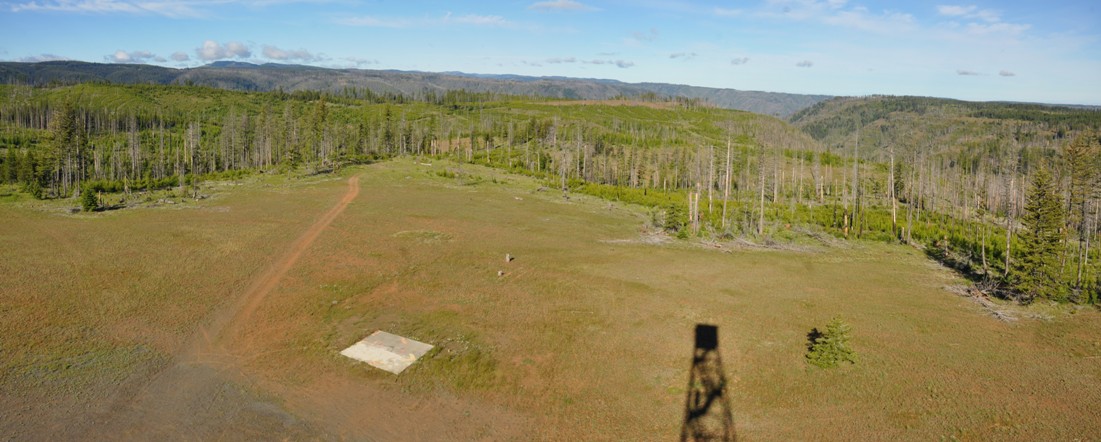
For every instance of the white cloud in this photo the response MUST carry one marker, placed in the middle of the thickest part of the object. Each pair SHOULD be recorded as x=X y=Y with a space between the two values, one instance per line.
x=969 y=11
x=238 y=49
x=300 y=55
x=996 y=28
x=966 y=72
x=374 y=22
x=859 y=18
x=211 y=51
x=683 y=55
x=837 y=13
x=983 y=21
x=805 y=64
x=642 y=36
x=132 y=57
x=560 y=5
x=1006 y=73
x=476 y=20
x=724 y=12
x=164 y=7
x=449 y=18
x=955 y=10
x=41 y=57
x=618 y=63
x=180 y=56
x=557 y=60
x=739 y=61
x=359 y=61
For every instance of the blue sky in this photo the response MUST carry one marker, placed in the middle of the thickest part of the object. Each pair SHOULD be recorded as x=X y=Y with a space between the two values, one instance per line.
x=974 y=50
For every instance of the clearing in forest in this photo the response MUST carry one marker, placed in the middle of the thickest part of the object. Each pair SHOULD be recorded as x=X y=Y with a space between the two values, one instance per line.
x=244 y=301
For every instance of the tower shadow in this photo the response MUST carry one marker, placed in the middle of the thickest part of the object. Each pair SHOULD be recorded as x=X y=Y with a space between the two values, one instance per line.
x=707 y=414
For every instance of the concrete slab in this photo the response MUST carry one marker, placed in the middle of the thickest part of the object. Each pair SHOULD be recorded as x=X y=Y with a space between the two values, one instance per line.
x=387 y=351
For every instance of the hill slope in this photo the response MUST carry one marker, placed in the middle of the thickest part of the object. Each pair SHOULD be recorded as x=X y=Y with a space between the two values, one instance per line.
x=268 y=77
x=939 y=126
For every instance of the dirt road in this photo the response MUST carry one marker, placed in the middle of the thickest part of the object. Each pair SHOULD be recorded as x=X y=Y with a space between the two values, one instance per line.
x=202 y=394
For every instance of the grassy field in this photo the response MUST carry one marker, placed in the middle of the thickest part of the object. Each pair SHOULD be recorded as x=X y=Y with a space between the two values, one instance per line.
x=587 y=335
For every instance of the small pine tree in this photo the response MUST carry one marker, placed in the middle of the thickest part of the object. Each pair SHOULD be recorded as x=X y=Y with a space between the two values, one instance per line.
x=828 y=349
x=88 y=200
x=1037 y=269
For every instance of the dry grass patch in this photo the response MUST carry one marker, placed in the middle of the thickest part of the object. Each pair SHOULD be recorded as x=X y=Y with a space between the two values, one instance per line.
x=585 y=337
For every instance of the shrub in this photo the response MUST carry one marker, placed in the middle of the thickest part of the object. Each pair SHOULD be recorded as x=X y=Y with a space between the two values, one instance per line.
x=828 y=349
x=88 y=200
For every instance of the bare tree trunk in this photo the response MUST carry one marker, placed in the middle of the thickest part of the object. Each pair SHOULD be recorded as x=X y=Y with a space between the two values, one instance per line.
x=1009 y=209
x=696 y=210
x=761 y=207
x=726 y=184
x=710 y=177
x=893 y=197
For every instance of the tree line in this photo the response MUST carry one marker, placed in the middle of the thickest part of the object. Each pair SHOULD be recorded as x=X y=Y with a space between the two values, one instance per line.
x=967 y=193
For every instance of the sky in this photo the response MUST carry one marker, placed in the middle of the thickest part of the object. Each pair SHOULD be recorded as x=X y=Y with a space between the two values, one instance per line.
x=1034 y=51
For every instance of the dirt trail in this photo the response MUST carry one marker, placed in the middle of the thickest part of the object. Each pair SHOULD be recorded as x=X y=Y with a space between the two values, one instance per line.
x=199 y=394
x=230 y=320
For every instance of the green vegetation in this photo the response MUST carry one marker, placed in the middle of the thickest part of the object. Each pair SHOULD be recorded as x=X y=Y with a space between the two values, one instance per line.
x=88 y=200
x=1037 y=271
x=944 y=175
x=970 y=163
x=829 y=348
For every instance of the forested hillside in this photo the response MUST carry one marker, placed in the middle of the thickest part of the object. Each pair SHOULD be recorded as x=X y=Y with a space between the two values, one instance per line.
x=981 y=162
x=292 y=78
x=978 y=201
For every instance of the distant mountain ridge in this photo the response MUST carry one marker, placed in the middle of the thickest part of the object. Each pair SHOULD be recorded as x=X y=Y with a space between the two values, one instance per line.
x=266 y=77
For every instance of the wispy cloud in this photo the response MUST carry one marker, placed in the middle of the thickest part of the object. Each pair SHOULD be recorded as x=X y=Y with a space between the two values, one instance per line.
x=476 y=20
x=639 y=37
x=211 y=51
x=837 y=13
x=558 y=60
x=805 y=64
x=180 y=56
x=375 y=22
x=739 y=61
x=981 y=21
x=966 y=72
x=133 y=57
x=969 y=11
x=724 y=12
x=683 y=55
x=623 y=64
x=560 y=5
x=1006 y=73
x=165 y=8
x=996 y=28
x=360 y=61
x=299 y=55
x=41 y=57
x=446 y=19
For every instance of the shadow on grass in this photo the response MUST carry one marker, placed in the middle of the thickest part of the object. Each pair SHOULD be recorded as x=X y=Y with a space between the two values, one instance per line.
x=707 y=413
x=812 y=338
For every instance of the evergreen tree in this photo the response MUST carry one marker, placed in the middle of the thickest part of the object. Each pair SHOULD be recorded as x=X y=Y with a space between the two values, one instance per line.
x=88 y=200
x=1037 y=268
x=8 y=167
x=829 y=348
